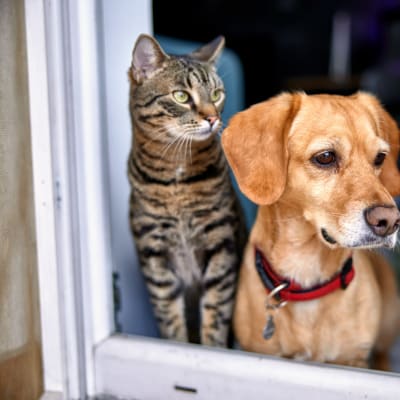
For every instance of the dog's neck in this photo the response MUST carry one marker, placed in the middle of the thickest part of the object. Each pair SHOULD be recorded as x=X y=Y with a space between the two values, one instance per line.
x=294 y=248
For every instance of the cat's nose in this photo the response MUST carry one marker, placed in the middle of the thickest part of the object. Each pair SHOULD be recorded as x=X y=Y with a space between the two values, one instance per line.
x=211 y=119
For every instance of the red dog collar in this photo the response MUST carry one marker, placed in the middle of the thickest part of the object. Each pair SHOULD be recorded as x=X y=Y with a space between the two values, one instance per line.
x=295 y=292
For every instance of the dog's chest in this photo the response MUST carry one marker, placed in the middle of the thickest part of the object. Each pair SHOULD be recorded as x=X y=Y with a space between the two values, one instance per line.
x=319 y=334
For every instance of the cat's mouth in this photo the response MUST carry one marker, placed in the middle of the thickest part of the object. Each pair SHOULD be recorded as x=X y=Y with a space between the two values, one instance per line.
x=204 y=132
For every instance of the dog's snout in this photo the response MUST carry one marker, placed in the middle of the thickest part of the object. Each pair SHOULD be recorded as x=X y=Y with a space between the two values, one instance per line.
x=383 y=220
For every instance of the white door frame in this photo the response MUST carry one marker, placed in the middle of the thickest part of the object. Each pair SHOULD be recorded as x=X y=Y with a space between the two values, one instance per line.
x=69 y=158
x=81 y=356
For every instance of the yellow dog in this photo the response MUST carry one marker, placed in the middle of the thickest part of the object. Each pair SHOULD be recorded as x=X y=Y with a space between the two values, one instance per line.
x=322 y=169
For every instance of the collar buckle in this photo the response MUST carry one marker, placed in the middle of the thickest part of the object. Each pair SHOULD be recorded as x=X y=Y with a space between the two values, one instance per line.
x=275 y=293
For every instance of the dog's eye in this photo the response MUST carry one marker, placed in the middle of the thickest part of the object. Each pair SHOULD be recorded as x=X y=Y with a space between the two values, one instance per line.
x=379 y=159
x=325 y=159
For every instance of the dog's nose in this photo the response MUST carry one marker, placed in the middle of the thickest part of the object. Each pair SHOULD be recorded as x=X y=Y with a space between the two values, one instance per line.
x=383 y=220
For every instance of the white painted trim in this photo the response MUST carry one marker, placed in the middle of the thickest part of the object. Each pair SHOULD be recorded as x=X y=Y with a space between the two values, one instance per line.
x=91 y=163
x=52 y=396
x=44 y=195
x=74 y=257
x=145 y=369
x=88 y=159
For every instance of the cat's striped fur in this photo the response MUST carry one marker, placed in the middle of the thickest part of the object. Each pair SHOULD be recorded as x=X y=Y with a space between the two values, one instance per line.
x=184 y=214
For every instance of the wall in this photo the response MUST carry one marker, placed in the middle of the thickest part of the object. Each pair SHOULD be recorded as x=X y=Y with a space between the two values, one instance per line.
x=122 y=22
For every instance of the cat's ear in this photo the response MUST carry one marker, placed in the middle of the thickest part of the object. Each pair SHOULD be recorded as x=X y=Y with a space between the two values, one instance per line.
x=209 y=52
x=255 y=145
x=147 y=58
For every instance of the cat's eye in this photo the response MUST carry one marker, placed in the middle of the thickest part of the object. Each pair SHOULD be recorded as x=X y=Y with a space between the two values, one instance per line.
x=216 y=95
x=181 y=97
x=325 y=159
x=379 y=159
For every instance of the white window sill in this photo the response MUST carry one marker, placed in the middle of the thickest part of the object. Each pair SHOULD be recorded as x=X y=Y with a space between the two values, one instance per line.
x=131 y=367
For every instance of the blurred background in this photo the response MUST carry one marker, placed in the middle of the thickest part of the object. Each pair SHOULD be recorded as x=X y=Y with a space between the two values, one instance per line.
x=331 y=46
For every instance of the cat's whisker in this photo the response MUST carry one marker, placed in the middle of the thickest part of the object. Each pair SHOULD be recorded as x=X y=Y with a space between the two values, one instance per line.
x=179 y=147
x=189 y=145
x=190 y=149
x=163 y=131
x=189 y=139
x=169 y=146
x=187 y=142
x=177 y=150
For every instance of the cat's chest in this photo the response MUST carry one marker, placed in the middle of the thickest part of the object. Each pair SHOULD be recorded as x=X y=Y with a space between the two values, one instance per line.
x=184 y=255
x=192 y=191
x=180 y=172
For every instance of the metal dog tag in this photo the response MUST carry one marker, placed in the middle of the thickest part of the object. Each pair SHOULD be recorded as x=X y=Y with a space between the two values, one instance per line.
x=269 y=328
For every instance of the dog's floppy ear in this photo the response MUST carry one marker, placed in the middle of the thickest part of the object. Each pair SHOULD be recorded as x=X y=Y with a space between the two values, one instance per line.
x=389 y=131
x=390 y=175
x=255 y=145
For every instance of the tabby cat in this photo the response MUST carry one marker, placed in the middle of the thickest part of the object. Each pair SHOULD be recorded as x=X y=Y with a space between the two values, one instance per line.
x=186 y=220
